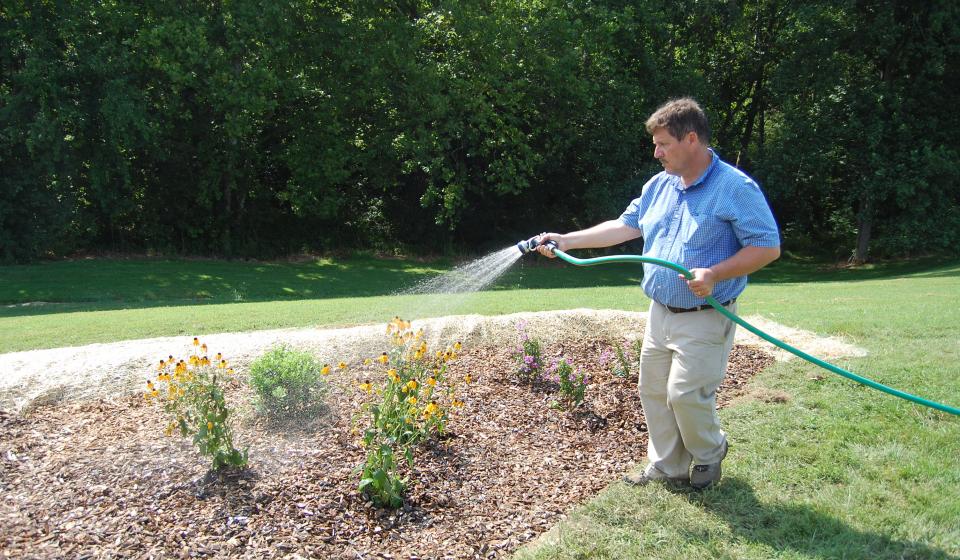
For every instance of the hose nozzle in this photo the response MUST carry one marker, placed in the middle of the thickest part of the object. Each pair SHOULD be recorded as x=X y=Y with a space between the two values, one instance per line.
x=530 y=245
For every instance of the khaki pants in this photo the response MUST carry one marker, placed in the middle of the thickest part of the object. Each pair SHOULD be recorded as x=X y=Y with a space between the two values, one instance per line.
x=682 y=362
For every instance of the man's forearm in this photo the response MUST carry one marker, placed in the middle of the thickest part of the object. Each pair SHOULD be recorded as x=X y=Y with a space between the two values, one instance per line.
x=606 y=234
x=746 y=261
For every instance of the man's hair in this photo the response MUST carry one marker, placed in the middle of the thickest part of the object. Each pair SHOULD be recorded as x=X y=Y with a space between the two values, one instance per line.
x=680 y=117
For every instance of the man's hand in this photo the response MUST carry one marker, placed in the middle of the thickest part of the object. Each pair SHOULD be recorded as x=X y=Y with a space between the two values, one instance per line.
x=547 y=251
x=702 y=283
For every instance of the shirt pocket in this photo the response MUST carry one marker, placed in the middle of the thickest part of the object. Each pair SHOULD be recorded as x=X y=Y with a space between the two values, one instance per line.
x=702 y=231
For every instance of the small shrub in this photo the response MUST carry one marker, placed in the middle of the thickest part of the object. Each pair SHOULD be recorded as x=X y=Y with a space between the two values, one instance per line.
x=622 y=366
x=409 y=400
x=528 y=355
x=288 y=381
x=193 y=399
x=573 y=385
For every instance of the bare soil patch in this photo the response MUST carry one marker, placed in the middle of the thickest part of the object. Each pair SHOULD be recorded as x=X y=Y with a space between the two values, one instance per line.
x=95 y=478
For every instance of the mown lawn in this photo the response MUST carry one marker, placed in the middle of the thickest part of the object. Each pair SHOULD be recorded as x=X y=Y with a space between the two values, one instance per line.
x=835 y=471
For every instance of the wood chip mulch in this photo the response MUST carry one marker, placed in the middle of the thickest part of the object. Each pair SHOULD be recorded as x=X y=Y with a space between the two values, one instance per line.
x=97 y=479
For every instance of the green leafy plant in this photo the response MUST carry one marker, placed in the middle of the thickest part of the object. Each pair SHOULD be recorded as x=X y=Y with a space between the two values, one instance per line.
x=409 y=400
x=379 y=480
x=192 y=396
x=622 y=367
x=527 y=355
x=573 y=385
x=288 y=381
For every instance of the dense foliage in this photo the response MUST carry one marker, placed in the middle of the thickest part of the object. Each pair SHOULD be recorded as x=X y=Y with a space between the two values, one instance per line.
x=288 y=382
x=257 y=128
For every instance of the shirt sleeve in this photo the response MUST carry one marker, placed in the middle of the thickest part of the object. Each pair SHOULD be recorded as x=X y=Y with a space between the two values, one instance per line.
x=753 y=223
x=631 y=216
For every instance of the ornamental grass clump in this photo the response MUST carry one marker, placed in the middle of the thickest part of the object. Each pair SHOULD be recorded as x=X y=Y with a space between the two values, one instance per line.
x=408 y=398
x=288 y=381
x=191 y=394
x=527 y=355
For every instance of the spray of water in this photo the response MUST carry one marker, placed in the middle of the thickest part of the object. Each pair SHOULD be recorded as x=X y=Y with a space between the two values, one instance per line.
x=471 y=277
x=453 y=291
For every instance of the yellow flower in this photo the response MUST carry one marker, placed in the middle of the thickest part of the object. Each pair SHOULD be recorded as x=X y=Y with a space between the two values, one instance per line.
x=209 y=426
x=196 y=341
x=457 y=404
x=325 y=369
x=404 y=390
x=457 y=346
x=367 y=361
x=468 y=378
x=230 y=371
x=432 y=382
x=430 y=410
x=383 y=358
x=412 y=400
x=203 y=347
x=412 y=384
x=168 y=431
x=222 y=364
x=161 y=366
x=219 y=357
x=342 y=365
x=365 y=387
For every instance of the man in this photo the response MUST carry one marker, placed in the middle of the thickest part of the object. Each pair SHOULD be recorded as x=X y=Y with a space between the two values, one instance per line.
x=710 y=217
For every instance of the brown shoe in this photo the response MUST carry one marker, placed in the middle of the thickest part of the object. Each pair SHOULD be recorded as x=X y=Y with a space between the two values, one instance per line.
x=652 y=474
x=703 y=476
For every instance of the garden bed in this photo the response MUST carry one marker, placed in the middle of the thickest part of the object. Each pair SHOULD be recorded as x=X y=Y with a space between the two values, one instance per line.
x=97 y=478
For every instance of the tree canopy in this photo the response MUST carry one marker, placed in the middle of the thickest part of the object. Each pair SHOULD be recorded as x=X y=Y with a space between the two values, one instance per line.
x=258 y=128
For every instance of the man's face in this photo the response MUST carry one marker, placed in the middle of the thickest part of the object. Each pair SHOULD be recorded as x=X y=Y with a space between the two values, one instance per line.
x=673 y=154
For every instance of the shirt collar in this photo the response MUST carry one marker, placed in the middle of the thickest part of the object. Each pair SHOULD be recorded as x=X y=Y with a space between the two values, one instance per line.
x=706 y=172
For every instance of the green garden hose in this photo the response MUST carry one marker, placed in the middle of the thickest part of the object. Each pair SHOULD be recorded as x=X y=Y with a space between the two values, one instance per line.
x=716 y=305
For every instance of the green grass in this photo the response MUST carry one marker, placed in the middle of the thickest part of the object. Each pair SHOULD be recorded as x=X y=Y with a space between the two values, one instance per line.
x=837 y=471
x=80 y=302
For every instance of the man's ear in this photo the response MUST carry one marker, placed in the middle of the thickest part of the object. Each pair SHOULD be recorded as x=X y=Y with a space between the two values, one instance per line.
x=691 y=138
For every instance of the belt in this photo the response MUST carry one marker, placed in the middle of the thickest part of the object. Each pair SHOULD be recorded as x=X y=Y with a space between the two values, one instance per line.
x=697 y=308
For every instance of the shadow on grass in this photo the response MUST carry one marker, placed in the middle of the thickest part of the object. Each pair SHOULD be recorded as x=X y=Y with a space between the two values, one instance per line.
x=102 y=285
x=52 y=288
x=800 y=528
x=791 y=270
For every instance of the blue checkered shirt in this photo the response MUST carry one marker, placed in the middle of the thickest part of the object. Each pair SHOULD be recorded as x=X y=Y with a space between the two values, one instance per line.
x=698 y=227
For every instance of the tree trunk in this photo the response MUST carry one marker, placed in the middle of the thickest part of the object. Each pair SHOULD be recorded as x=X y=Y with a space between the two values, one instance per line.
x=864 y=224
